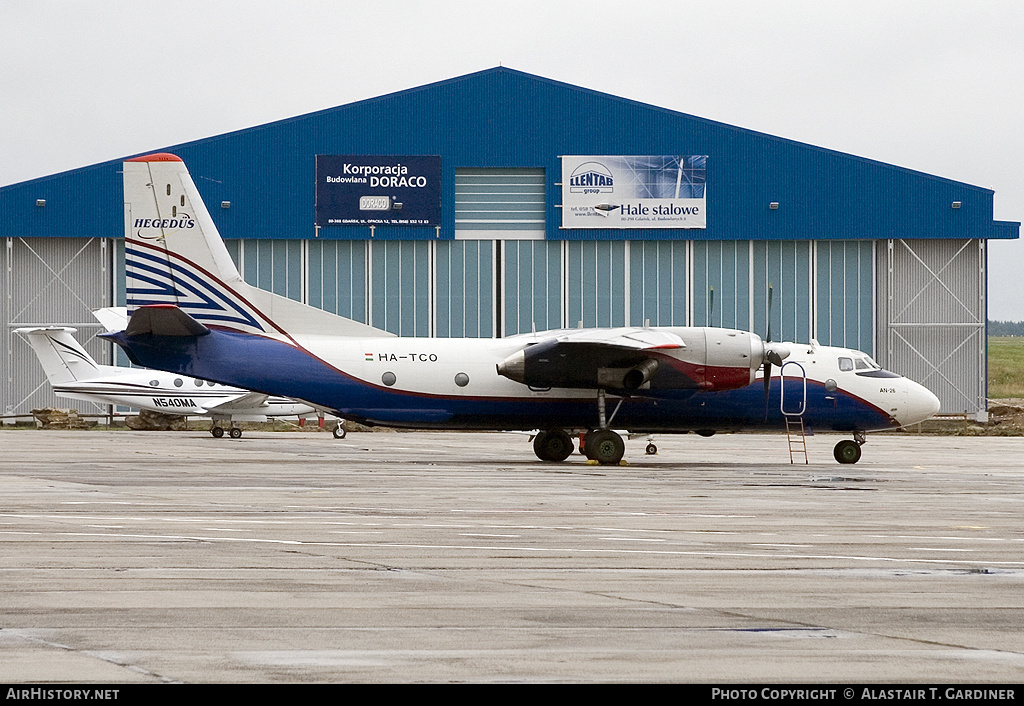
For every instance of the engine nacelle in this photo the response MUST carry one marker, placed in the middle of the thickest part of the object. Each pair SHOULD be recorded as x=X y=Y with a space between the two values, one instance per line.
x=711 y=359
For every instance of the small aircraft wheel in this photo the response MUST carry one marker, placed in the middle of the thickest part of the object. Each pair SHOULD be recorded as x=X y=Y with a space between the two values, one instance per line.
x=552 y=445
x=339 y=431
x=605 y=446
x=651 y=449
x=847 y=451
x=217 y=432
x=236 y=433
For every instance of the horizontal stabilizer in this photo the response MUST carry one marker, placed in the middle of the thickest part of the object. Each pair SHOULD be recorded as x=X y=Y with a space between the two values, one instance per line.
x=164 y=320
x=113 y=318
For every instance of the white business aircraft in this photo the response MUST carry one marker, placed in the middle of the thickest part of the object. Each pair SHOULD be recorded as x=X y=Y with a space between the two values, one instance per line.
x=194 y=315
x=74 y=374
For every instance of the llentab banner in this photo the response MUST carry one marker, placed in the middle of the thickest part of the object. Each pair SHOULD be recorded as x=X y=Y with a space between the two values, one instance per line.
x=634 y=192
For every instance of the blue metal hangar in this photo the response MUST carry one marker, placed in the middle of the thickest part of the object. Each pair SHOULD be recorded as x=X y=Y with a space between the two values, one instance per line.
x=500 y=202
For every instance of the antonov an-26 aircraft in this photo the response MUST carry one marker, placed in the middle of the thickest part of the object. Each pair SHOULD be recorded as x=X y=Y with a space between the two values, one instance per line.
x=194 y=315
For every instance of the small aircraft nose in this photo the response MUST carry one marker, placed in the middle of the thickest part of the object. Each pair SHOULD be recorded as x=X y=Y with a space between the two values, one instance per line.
x=921 y=404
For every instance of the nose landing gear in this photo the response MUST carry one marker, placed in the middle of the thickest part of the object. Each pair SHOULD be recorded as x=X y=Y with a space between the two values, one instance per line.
x=848 y=450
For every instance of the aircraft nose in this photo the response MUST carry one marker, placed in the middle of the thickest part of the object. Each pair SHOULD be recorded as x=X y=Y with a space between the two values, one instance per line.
x=921 y=404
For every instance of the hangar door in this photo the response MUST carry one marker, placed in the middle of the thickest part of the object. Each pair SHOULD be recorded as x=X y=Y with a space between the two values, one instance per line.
x=933 y=318
x=50 y=281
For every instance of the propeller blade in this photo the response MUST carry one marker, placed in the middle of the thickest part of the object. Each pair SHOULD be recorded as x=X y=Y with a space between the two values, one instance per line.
x=770 y=291
x=711 y=308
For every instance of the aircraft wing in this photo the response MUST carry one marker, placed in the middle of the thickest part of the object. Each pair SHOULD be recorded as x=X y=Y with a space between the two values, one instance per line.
x=622 y=358
x=624 y=338
x=249 y=402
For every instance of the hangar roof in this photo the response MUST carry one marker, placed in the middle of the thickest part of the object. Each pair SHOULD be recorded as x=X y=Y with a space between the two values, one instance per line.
x=501 y=118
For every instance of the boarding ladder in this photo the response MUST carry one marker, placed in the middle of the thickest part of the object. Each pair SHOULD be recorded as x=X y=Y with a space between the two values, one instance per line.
x=796 y=434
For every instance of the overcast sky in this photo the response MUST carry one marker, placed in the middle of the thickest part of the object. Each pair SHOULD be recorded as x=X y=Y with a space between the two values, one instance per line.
x=931 y=85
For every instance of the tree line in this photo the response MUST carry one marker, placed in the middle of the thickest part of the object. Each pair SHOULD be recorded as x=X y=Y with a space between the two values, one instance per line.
x=1006 y=328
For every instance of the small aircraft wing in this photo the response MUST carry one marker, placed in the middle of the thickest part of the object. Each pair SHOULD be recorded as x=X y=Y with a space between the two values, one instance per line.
x=249 y=402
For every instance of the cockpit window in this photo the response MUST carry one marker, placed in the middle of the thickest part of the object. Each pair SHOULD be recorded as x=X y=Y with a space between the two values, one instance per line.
x=862 y=364
x=845 y=364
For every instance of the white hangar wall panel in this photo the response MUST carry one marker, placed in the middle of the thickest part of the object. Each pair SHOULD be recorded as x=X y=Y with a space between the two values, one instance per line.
x=931 y=304
x=721 y=283
x=844 y=302
x=275 y=265
x=400 y=287
x=595 y=283
x=531 y=286
x=51 y=281
x=481 y=288
x=784 y=267
x=464 y=289
x=337 y=276
x=658 y=282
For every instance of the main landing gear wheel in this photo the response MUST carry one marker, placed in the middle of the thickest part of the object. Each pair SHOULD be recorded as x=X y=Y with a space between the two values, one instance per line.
x=235 y=433
x=847 y=451
x=605 y=446
x=339 y=431
x=552 y=445
x=217 y=432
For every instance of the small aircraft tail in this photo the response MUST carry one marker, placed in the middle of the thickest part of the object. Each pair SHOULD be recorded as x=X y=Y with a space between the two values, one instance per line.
x=62 y=357
x=174 y=255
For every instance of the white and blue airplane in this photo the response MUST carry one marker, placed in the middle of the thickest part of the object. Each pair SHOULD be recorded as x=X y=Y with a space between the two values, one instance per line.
x=192 y=314
x=74 y=374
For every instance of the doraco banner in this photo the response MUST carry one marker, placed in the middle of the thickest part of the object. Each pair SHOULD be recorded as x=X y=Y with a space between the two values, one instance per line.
x=365 y=190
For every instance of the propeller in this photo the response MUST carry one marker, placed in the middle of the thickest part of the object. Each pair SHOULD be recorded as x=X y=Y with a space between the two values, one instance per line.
x=773 y=355
x=767 y=362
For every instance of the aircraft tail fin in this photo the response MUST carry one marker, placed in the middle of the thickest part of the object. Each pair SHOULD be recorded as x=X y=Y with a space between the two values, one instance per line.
x=62 y=357
x=174 y=255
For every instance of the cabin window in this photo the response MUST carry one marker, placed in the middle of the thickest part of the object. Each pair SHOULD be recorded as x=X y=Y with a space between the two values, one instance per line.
x=178 y=382
x=168 y=189
x=846 y=364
